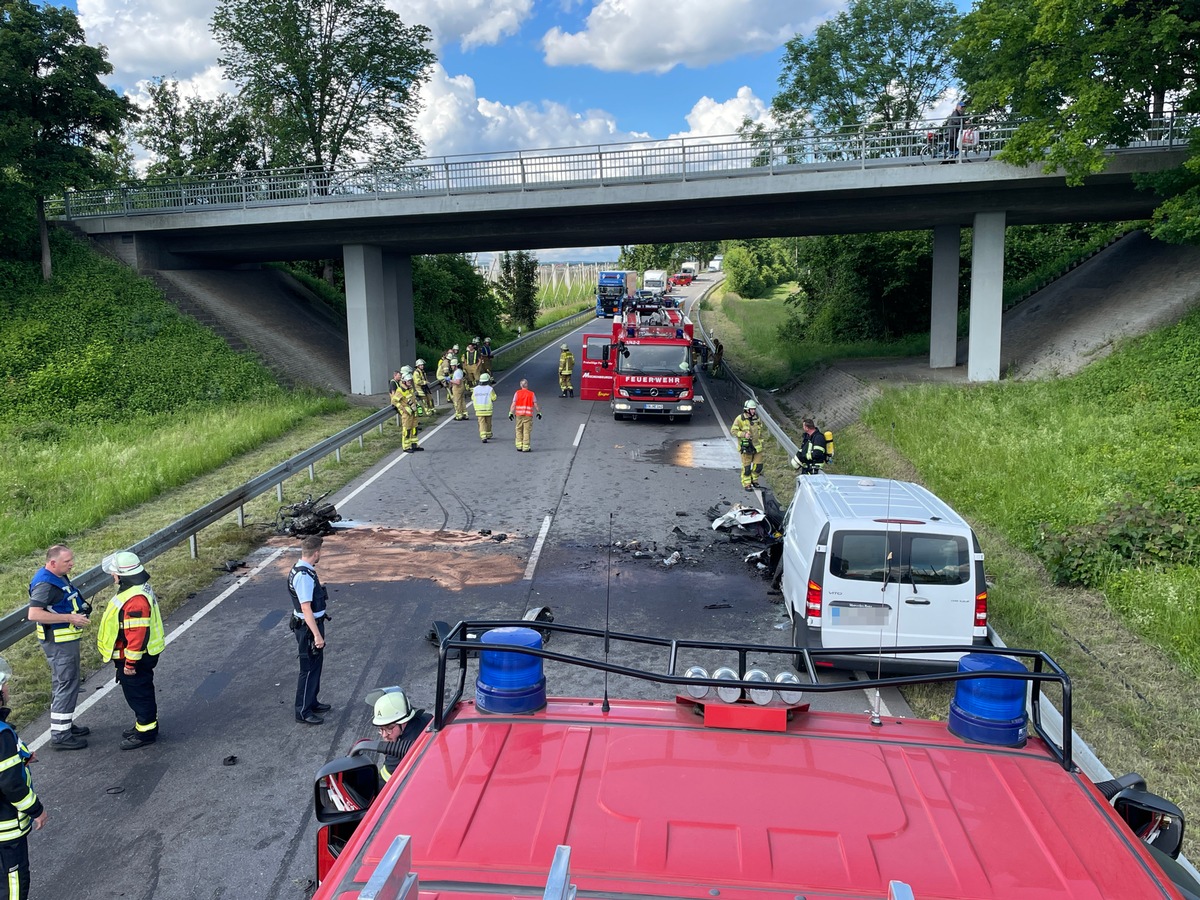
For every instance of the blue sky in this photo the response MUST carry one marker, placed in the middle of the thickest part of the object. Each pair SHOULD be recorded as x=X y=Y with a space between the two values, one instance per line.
x=516 y=74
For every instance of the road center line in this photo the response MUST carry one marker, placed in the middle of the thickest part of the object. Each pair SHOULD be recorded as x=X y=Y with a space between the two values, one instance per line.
x=579 y=434
x=537 y=548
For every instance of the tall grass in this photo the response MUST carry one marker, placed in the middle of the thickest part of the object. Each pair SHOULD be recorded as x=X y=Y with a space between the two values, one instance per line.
x=749 y=329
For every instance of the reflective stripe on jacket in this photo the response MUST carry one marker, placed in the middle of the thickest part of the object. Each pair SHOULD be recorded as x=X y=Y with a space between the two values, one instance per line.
x=19 y=805
x=69 y=601
x=566 y=363
x=523 y=402
x=747 y=429
x=131 y=637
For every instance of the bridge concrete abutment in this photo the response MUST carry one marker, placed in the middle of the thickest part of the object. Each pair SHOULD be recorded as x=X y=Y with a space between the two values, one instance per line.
x=987 y=296
x=943 y=311
x=379 y=315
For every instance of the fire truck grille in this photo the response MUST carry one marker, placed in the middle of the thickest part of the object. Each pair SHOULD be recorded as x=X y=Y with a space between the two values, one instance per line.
x=669 y=393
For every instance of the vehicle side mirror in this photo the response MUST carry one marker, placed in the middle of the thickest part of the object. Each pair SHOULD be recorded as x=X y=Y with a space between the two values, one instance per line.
x=344 y=789
x=604 y=352
x=1158 y=822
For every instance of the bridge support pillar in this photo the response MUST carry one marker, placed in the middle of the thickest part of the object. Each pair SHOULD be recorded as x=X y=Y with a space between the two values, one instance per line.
x=987 y=296
x=377 y=288
x=943 y=311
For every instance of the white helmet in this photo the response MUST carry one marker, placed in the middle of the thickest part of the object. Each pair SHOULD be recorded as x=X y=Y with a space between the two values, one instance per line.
x=565 y=347
x=455 y=348
x=393 y=708
x=750 y=406
x=419 y=363
x=406 y=370
x=453 y=361
x=475 y=341
x=484 y=377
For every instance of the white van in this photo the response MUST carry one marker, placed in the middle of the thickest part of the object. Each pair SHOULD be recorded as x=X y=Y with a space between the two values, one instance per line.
x=872 y=562
x=655 y=280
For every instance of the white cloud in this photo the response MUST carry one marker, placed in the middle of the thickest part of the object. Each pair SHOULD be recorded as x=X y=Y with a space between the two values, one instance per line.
x=147 y=39
x=470 y=23
x=456 y=120
x=708 y=117
x=657 y=35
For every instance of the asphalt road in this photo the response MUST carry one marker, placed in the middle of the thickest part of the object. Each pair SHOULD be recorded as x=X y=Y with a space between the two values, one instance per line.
x=221 y=806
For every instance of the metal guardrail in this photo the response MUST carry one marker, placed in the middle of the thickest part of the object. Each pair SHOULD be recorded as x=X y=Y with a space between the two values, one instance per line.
x=675 y=160
x=16 y=625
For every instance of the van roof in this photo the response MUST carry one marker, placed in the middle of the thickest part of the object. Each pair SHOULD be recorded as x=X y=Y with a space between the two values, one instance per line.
x=855 y=497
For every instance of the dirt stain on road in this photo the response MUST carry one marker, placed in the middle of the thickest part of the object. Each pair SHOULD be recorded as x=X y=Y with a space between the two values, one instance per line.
x=455 y=560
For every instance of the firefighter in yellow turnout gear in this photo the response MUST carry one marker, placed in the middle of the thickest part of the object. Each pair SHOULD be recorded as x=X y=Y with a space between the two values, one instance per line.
x=404 y=398
x=566 y=365
x=749 y=432
x=425 y=401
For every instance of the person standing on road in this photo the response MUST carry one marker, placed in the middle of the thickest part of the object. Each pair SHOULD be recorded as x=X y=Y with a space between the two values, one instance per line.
x=485 y=356
x=566 y=365
x=474 y=358
x=421 y=385
x=522 y=410
x=482 y=398
x=443 y=372
x=458 y=391
x=20 y=808
x=748 y=431
x=404 y=398
x=813 y=450
x=309 y=616
x=718 y=355
x=131 y=635
x=60 y=614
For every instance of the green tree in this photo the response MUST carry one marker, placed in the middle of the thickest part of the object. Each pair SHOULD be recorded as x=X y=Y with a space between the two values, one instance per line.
x=55 y=114
x=518 y=286
x=640 y=257
x=878 y=61
x=329 y=79
x=451 y=299
x=190 y=135
x=1084 y=74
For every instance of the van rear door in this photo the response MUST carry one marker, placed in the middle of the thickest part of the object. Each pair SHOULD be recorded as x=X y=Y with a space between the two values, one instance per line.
x=908 y=585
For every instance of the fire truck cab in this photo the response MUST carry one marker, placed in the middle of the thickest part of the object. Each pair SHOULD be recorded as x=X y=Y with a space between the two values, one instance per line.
x=644 y=367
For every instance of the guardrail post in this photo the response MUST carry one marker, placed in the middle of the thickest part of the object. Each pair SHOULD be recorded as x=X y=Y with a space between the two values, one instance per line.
x=360 y=442
x=337 y=454
x=193 y=546
x=683 y=161
x=312 y=472
x=279 y=489
x=241 y=514
x=600 y=163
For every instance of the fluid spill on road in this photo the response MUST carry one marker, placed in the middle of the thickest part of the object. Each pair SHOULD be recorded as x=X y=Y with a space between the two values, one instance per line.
x=714 y=454
x=456 y=560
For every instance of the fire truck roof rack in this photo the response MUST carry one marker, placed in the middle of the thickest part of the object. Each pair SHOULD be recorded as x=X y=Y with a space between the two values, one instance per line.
x=462 y=643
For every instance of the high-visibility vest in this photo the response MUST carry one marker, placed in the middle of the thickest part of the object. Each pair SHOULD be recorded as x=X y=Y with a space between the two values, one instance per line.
x=483 y=397
x=472 y=357
x=70 y=601
x=566 y=363
x=14 y=815
x=523 y=402
x=114 y=621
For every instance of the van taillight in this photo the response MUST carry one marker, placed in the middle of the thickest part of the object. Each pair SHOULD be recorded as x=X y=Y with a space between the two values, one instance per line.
x=812 y=600
x=981 y=614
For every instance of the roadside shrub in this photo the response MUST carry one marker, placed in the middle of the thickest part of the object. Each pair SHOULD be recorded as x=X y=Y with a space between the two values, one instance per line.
x=1133 y=533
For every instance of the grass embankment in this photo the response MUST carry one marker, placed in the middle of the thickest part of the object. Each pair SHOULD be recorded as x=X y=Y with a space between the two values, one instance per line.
x=115 y=408
x=1096 y=478
x=749 y=329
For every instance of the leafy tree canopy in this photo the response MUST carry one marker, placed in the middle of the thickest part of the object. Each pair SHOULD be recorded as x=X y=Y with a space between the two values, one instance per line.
x=882 y=61
x=186 y=136
x=518 y=286
x=329 y=79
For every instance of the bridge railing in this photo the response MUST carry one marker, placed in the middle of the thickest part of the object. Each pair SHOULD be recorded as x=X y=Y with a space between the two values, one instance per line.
x=672 y=160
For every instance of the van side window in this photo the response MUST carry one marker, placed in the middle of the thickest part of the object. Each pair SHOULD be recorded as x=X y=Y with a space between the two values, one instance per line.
x=859 y=555
x=938 y=559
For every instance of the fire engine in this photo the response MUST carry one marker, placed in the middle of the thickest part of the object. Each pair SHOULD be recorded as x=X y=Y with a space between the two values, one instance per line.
x=720 y=780
x=644 y=367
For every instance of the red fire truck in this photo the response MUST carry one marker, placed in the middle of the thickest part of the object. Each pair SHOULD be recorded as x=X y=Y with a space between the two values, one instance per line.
x=720 y=781
x=644 y=367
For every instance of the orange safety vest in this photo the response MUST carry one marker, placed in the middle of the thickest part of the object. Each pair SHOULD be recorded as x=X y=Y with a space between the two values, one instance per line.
x=523 y=402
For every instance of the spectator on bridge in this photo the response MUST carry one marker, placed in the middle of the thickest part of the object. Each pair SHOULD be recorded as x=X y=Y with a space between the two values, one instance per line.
x=522 y=410
x=954 y=127
x=20 y=808
x=131 y=635
x=60 y=614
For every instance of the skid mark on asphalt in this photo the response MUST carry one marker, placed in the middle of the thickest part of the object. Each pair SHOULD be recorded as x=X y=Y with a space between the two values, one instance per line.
x=454 y=560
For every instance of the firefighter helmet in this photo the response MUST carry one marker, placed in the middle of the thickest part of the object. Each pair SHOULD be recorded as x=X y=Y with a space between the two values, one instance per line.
x=393 y=708
x=565 y=347
x=475 y=341
x=484 y=377
x=455 y=348
x=419 y=363
x=453 y=361
x=750 y=407
x=406 y=370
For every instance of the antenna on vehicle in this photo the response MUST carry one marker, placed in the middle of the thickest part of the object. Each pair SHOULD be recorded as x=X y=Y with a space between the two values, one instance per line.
x=604 y=707
x=876 y=719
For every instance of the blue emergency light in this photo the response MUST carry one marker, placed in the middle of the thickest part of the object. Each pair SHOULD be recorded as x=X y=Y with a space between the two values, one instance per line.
x=990 y=710
x=510 y=683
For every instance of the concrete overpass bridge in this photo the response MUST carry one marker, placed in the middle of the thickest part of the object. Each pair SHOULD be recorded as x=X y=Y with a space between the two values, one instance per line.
x=862 y=180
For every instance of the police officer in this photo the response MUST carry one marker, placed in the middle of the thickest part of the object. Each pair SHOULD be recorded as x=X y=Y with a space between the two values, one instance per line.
x=309 y=615
x=748 y=431
x=20 y=808
x=566 y=365
x=61 y=614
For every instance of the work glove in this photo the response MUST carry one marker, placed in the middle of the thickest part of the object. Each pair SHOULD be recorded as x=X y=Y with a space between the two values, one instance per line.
x=539 y=415
x=511 y=417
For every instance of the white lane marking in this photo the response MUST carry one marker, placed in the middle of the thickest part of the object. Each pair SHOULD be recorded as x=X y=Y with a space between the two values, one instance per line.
x=399 y=457
x=537 y=548
x=883 y=707
x=579 y=435
x=102 y=692
x=550 y=346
